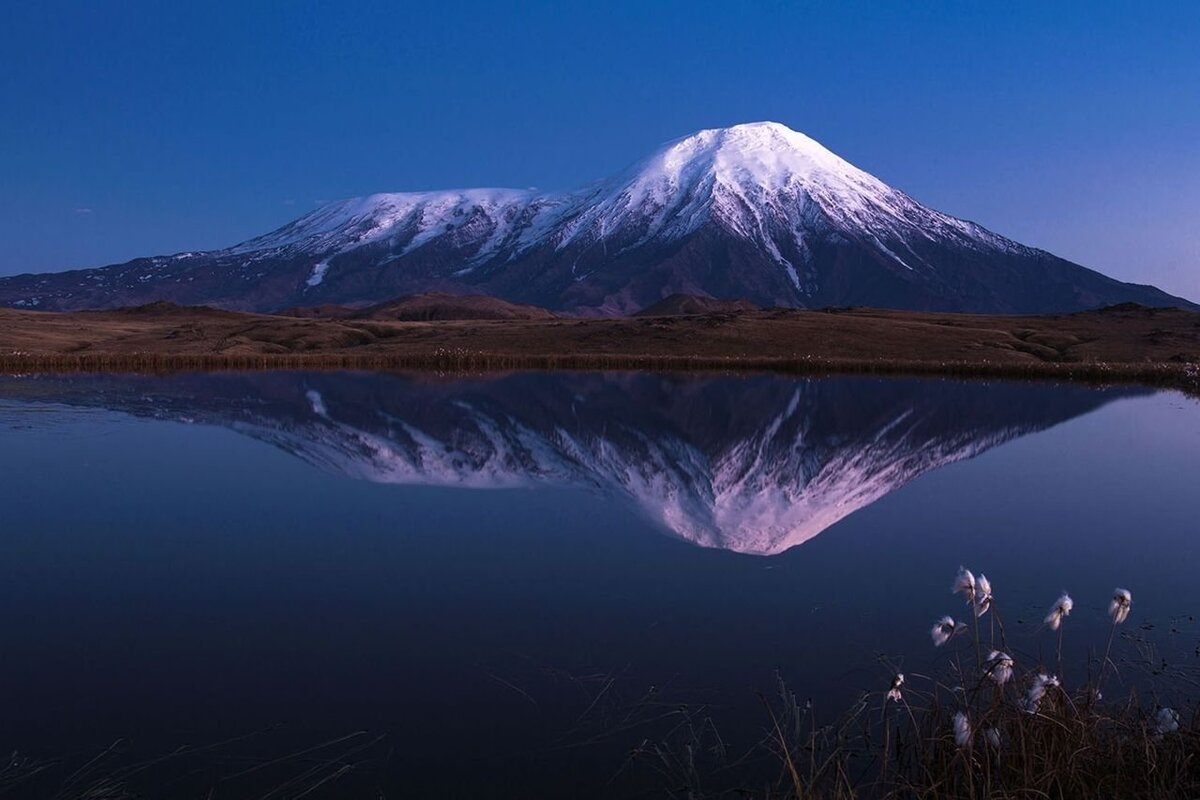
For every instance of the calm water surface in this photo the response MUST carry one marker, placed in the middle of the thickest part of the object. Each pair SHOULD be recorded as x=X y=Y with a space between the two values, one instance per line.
x=493 y=575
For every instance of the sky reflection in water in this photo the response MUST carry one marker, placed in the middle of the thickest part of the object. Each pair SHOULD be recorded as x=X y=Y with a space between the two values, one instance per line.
x=425 y=557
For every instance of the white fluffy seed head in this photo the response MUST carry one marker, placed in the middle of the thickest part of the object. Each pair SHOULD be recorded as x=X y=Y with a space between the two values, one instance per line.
x=942 y=630
x=1041 y=683
x=897 y=682
x=1061 y=608
x=983 y=595
x=999 y=667
x=962 y=730
x=993 y=737
x=964 y=584
x=1166 y=721
x=1119 y=606
x=1032 y=700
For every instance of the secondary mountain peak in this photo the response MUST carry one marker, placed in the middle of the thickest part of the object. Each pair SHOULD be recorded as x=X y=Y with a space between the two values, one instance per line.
x=755 y=211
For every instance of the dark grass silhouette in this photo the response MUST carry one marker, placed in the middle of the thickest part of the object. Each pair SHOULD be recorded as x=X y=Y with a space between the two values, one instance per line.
x=965 y=733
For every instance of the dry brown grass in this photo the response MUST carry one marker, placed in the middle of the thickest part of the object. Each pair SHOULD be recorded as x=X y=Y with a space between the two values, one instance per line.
x=1075 y=741
x=1073 y=747
x=1160 y=347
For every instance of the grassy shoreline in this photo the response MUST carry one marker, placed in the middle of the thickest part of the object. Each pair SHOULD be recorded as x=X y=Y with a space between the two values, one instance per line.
x=1126 y=344
x=1184 y=377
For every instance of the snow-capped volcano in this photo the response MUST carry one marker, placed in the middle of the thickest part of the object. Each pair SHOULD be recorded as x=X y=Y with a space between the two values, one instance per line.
x=769 y=185
x=755 y=211
x=756 y=465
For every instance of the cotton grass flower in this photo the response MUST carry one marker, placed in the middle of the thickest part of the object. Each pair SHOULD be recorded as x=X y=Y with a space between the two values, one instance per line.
x=1166 y=721
x=999 y=667
x=964 y=584
x=993 y=737
x=962 y=730
x=983 y=595
x=897 y=682
x=945 y=629
x=1032 y=701
x=1118 y=607
x=1061 y=608
x=976 y=591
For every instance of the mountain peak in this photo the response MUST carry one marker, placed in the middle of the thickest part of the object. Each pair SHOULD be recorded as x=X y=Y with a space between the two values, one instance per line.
x=766 y=154
x=758 y=135
x=763 y=183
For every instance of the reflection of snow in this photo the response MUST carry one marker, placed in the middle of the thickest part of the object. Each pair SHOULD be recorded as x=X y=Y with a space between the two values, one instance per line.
x=760 y=494
x=755 y=465
x=316 y=402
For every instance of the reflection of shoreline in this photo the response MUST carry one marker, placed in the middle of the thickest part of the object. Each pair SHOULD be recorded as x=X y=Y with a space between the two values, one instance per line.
x=1182 y=376
x=755 y=465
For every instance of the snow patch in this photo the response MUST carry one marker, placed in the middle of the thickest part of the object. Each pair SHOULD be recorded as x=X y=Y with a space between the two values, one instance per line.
x=318 y=274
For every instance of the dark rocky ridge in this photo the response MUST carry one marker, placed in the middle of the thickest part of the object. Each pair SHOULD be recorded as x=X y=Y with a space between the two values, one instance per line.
x=685 y=304
x=428 y=307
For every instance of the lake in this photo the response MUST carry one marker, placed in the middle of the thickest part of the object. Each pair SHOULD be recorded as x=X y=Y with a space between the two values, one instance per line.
x=499 y=586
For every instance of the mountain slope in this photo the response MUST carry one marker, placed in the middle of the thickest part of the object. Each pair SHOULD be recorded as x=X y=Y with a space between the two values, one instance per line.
x=425 y=308
x=754 y=211
x=684 y=304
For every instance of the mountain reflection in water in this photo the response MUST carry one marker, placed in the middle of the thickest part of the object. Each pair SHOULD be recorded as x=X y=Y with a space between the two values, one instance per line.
x=750 y=464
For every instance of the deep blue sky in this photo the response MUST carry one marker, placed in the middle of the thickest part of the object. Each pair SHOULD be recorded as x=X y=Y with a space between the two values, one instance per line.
x=137 y=128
